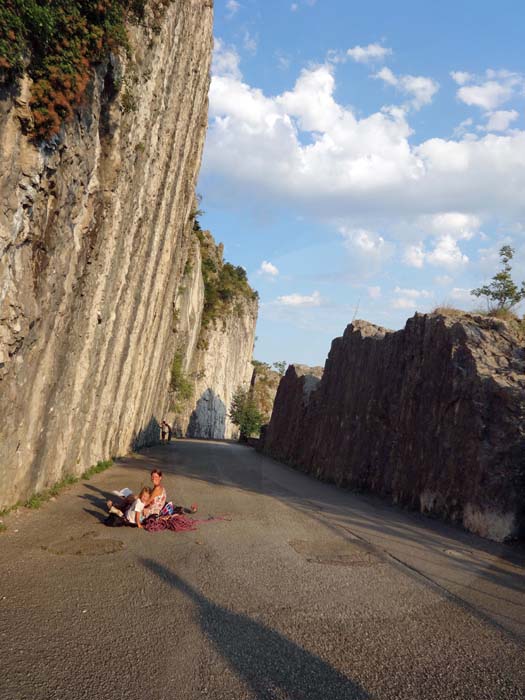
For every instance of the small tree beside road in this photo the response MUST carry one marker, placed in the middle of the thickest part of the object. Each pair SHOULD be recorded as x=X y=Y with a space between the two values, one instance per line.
x=502 y=294
x=244 y=414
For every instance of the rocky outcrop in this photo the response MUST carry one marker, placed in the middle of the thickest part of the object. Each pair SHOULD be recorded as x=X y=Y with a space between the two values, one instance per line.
x=263 y=386
x=94 y=235
x=217 y=339
x=283 y=436
x=432 y=417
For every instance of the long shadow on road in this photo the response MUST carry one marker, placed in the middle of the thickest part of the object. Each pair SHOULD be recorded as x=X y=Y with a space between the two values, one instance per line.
x=269 y=663
x=424 y=537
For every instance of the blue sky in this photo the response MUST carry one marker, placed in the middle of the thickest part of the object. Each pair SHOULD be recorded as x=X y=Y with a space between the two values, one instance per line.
x=364 y=161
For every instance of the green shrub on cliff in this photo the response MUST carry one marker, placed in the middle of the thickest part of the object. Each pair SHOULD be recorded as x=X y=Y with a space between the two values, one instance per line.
x=180 y=384
x=57 y=42
x=224 y=283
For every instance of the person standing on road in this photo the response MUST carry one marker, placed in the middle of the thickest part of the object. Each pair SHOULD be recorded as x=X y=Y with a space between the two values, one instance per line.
x=165 y=432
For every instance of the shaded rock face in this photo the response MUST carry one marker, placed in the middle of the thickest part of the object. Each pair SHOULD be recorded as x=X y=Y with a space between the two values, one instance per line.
x=432 y=416
x=217 y=357
x=94 y=236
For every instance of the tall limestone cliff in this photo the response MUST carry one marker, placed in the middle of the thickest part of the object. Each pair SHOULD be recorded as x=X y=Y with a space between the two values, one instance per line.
x=95 y=230
x=432 y=416
x=216 y=317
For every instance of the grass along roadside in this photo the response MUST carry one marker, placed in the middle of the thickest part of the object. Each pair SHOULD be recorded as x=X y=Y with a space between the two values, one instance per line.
x=36 y=500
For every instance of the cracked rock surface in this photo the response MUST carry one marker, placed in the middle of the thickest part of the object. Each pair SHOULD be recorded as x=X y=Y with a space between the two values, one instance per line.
x=94 y=237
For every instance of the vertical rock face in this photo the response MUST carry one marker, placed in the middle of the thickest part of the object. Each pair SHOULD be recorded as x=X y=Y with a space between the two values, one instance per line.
x=432 y=416
x=94 y=237
x=224 y=365
x=264 y=384
x=283 y=437
x=216 y=355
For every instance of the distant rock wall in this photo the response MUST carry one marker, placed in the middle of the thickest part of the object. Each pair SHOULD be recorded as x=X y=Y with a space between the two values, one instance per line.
x=94 y=236
x=264 y=384
x=217 y=356
x=223 y=365
x=432 y=417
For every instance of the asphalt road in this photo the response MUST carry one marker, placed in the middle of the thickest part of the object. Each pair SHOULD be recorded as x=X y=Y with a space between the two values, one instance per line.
x=301 y=592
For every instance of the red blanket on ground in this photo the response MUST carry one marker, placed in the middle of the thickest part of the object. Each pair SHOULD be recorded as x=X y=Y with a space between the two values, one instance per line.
x=176 y=523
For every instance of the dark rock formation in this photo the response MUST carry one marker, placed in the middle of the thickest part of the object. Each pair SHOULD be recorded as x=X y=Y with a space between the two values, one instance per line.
x=431 y=416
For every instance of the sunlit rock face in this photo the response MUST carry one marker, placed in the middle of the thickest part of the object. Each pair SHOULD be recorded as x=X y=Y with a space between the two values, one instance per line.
x=432 y=417
x=94 y=235
x=216 y=356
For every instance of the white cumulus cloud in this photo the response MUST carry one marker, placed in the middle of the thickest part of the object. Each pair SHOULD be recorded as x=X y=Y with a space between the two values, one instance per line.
x=447 y=253
x=300 y=300
x=409 y=298
x=421 y=89
x=489 y=92
x=489 y=95
x=452 y=223
x=368 y=243
x=362 y=174
x=501 y=120
x=445 y=229
x=414 y=255
x=225 y=61
x=461 y=77
x=268 y=269
x=367 y=54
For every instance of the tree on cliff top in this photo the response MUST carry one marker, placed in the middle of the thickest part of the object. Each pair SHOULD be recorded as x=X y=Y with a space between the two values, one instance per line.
x=502 y=293
x=245 y=414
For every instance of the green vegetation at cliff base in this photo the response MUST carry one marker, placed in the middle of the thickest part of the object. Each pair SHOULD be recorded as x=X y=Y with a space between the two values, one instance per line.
x=38 y=499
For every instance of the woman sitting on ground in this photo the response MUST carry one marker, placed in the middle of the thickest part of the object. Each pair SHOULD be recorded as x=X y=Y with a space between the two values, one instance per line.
x=157 y=497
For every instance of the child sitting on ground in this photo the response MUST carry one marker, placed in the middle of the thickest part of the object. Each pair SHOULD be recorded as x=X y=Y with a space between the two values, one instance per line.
x=133 y=515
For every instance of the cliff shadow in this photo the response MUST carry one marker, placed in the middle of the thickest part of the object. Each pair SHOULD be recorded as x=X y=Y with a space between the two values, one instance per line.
x=269 y=663
x=348 y=514
x=208 y=418
x=147 y=436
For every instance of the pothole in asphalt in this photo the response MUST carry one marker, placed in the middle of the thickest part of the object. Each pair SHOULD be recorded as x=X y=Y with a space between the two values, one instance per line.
x=86 y=545
x=356 y=553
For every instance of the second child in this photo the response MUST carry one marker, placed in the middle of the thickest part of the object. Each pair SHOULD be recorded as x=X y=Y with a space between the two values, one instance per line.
x=134 y=514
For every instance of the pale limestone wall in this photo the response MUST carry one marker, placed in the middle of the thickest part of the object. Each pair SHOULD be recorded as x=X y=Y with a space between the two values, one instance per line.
x=216 y=359
x=94 y=237
x=189 y=307
x=221 y=367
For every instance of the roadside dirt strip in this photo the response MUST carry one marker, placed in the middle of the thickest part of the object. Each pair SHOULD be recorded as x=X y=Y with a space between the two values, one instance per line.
x=300 y=591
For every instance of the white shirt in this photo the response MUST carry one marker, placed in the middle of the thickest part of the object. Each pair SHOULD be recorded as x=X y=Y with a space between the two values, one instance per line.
x=136 y=507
